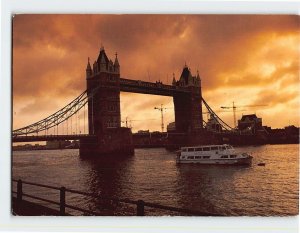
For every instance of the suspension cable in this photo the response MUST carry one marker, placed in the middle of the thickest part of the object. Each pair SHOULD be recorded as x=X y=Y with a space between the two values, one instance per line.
x=79 y=122
x=84 y=119
x=218 y=119
x=58 y=117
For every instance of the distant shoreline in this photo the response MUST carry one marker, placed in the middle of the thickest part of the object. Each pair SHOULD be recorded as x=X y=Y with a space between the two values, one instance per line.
x=151 y=146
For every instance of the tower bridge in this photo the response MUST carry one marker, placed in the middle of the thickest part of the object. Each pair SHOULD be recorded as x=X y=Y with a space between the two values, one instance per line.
x=102 y=97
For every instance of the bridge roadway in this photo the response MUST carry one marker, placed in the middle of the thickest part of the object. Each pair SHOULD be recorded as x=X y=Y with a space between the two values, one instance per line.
x=143 y=87
x=36 y=138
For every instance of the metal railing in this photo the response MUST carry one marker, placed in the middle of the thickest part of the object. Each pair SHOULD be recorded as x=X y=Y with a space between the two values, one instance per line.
x=140 y=204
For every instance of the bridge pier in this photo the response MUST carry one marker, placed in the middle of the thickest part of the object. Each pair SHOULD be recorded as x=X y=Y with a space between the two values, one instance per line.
x=117 y=142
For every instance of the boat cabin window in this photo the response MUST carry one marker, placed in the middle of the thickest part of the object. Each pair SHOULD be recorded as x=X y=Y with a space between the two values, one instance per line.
x=198 y=149
x=232 y=156
x=223 y=147
x=206 y=148
x=190 y=157
x=214 y=148
x=206 y=157
x=184 y=149
x=191 y=149
x=197 y=157
x=224 y=156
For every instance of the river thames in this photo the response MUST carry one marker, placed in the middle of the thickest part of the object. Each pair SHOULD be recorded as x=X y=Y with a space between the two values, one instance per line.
x=153 y=176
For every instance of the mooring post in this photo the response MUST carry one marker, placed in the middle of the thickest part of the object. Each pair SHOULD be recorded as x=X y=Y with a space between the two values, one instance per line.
x=140 y=210
x=19 y=191
x=62 y=201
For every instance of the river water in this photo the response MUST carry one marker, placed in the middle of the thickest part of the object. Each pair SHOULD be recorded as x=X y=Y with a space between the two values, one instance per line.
x=153 y=176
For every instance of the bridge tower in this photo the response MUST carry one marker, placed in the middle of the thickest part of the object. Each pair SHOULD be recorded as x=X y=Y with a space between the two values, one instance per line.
x=104 y=114
x=104 y=107
x=188 y=112
x=188 y=106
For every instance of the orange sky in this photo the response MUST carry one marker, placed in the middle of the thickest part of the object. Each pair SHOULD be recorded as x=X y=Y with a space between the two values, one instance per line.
x=249 y=59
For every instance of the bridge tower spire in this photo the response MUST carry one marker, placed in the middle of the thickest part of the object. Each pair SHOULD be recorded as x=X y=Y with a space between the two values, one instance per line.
x=88 y=70
x=174 y=80
x=116 y=64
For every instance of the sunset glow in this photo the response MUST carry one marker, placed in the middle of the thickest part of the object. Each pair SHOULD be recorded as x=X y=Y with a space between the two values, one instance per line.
x=248 y=59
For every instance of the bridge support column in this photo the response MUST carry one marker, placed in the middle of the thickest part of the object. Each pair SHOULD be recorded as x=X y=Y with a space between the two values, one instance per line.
x=188 y=113
x=117 y=142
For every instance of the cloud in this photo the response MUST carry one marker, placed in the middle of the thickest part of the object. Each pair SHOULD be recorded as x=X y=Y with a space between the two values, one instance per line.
x=274 y=97
x=244 y=52
x=38 y=106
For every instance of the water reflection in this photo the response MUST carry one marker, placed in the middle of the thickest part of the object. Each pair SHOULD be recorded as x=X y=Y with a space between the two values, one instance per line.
x=152 y=175
x=201 y=186
x=107 y=177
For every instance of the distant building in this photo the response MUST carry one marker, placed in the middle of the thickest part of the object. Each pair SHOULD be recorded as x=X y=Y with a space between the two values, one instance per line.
x=291 y=130
x=290 y=134
x=171 y=127
x=250 y=123
x=213 y=125
x=57 y=144
x=28 y=147
x=143 y=131
x=156 y=132
x=73 y=145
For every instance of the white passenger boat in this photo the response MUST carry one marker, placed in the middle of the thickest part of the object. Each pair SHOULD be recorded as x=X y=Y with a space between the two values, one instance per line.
x=212 y=154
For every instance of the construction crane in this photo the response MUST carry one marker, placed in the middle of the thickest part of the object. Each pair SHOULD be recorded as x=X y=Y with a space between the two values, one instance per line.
x=126 y=122
x=233 y=107
x=161 y=109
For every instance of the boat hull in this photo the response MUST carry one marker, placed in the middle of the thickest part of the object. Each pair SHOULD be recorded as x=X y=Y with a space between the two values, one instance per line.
x=238 y=161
